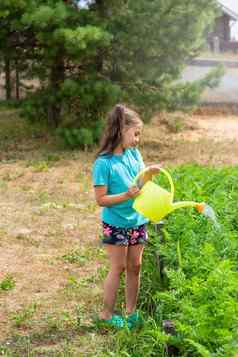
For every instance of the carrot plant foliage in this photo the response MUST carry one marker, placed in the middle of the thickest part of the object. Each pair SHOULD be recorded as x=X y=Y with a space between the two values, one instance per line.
x=190 y=273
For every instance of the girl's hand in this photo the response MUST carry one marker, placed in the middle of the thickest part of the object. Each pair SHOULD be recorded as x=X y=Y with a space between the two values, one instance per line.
x=149 y=172
x=133 y=192
x=154 y=169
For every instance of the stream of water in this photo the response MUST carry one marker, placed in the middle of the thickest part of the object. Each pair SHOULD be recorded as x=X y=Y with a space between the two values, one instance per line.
x=209 y=212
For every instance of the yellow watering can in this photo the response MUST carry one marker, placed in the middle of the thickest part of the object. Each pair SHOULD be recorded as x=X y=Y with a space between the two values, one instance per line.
x=154 y=202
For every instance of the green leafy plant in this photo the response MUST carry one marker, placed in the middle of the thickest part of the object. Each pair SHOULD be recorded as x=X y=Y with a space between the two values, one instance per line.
x=199 y=286
x=75 y=138
x=84 y=137
x=8 y=283
x=20 y=318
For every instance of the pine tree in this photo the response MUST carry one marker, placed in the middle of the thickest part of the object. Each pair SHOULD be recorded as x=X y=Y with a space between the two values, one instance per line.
x=87 y=57
x=10 y=33
x=68 y=42
x=152 y=41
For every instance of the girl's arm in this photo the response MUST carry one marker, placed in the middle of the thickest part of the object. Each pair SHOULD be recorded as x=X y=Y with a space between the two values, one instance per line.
x=104 y=200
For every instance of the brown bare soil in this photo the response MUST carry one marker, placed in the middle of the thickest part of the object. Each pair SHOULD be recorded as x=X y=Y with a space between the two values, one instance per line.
x=208 y=139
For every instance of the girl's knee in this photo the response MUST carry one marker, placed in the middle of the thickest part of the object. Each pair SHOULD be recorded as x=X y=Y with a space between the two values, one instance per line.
x=134 y=268
x=118 y=269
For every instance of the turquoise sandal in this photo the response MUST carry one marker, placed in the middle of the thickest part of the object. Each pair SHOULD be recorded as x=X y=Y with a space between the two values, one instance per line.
x=116 y=321
x=134 y=320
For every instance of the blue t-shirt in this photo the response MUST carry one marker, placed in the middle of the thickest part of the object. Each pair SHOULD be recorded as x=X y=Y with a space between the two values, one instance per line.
x=117 y=173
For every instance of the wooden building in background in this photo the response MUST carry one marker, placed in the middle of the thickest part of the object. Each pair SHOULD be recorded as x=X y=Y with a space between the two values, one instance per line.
x=220 y=39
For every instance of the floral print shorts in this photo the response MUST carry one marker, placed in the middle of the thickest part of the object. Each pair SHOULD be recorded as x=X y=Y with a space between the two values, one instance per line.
x=124 y=236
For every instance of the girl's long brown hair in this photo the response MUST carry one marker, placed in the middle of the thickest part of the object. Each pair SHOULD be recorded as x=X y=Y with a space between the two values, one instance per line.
x=119 y=118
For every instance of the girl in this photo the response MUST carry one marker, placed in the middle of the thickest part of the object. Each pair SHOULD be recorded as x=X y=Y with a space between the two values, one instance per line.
x=124 y=233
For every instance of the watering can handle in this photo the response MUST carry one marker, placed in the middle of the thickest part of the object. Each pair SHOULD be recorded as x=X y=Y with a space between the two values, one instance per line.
x=161 y=170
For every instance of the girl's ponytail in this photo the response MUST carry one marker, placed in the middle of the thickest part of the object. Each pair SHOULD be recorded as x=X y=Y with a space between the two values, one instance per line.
x=119 y=112
x=118 y=118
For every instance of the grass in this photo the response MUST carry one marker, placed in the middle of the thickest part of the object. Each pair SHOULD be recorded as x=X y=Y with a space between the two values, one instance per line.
x=7 y=283
x=52 y=265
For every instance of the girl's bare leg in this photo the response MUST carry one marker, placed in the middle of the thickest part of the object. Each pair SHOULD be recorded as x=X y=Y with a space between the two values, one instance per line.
x=117 y=256
x=134 y=260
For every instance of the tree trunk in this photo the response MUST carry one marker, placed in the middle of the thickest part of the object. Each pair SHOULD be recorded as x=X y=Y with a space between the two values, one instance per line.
x=17 y=81
x=7 y=70
x=57 y=76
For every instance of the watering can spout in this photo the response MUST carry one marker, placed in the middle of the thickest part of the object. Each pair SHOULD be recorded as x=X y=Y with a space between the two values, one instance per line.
x=183 y=204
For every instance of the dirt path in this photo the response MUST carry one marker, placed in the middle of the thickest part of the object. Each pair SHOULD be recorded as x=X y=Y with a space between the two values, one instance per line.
x=210 y=139
x=218 y=129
